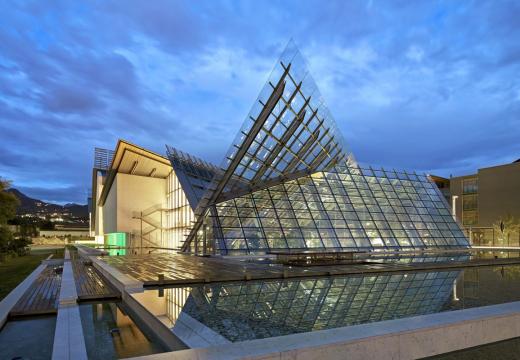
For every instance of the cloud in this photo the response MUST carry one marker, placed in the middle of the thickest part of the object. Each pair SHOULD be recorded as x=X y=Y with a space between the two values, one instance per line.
x=70 y=99
x=427 y=85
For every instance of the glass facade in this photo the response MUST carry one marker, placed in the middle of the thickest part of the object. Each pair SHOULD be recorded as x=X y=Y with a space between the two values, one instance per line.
x=116 y=243
x=470 y=186
x=347 y=208
x=193 y=174
x=288 y=182
x=179 y=216
x=288 y=130
x=470 y=202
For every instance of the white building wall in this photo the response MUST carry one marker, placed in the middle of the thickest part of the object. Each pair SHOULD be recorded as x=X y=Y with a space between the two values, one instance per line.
x=109 y=212
x=132 y=193
x=136 y=193
x=98 y=230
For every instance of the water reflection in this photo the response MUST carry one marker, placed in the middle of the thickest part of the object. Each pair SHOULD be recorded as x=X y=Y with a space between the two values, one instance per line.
x=110 y=334
x=258 y=309
x=18 y=340
x=241 y=311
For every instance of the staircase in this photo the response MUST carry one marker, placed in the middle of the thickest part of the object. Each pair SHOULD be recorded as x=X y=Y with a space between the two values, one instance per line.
x=151 y=230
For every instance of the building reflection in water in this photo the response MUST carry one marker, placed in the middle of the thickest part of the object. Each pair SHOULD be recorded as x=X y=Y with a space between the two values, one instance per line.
x=259 y=309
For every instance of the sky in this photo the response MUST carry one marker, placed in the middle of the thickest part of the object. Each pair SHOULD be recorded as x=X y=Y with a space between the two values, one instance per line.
x=430 y=86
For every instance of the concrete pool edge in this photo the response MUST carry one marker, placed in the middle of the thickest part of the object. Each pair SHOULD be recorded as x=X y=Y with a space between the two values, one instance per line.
x=115 y=277
x=407 y=338
x=69 y=342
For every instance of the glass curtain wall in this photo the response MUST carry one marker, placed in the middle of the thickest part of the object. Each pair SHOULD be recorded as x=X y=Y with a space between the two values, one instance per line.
x=179 y=216
x=470 y=202
x=348 y=208
x=175 y=300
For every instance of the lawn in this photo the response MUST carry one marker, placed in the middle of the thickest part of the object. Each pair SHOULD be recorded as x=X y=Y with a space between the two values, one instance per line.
x=15 y=270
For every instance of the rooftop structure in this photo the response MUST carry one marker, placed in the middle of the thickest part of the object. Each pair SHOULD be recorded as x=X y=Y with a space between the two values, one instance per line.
x=289 y=182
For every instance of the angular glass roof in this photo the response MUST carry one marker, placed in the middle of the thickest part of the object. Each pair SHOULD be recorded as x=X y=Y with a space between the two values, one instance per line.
x=288 y=132
x=288 y=182
x=346 y=208
x=193 y=173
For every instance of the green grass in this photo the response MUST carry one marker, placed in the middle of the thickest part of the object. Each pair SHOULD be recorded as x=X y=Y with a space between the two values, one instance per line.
x=15 y=270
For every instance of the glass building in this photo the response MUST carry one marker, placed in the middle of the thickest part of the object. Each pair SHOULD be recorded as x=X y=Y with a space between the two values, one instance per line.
x=289 y=182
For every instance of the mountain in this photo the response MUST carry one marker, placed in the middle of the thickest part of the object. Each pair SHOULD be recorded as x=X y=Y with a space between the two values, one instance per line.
x=30 y=206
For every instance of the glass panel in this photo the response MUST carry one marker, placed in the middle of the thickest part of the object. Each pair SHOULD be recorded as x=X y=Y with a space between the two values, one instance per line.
x=333 y=222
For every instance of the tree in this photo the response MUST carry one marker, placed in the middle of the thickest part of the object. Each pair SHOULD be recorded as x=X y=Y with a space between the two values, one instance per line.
x=46 y=225
x=8 y=202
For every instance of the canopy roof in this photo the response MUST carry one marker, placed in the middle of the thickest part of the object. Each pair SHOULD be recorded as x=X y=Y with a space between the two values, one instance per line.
x=132 y=159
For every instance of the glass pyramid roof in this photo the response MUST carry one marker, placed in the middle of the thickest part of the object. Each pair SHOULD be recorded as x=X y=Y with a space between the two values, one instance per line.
x=288 y=132
x=344 y=209
x=288 y=182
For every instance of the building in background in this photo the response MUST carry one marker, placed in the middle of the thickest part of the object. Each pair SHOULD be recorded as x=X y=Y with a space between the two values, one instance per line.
x=487 y=204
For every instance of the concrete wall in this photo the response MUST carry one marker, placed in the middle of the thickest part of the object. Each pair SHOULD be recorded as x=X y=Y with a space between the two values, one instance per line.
x=403 y=339
x=129 y=194
x=136 y=193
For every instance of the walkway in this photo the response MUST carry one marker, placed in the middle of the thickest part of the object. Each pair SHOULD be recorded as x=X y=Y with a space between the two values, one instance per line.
x=90 y=285
x=42 y=295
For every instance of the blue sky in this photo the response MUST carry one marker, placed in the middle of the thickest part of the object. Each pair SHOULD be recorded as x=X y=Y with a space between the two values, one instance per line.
x=431 y=86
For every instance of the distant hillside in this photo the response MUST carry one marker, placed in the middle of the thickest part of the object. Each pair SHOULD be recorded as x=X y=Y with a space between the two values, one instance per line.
x=37 y=207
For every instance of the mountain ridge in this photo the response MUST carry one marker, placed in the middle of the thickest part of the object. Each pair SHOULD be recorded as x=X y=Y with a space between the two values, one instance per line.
x=33 y=206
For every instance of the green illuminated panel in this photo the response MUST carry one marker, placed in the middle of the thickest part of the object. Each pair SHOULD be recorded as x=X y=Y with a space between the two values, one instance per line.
x=116 y=243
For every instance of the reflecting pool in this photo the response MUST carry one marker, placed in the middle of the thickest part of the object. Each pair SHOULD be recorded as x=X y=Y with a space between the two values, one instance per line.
x=247 y=310
x=28 y=338
x=110 y=334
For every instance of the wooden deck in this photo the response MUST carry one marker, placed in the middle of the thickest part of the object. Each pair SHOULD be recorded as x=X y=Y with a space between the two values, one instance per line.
x=41 y=297
x=162 y=269
x=90 y=285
